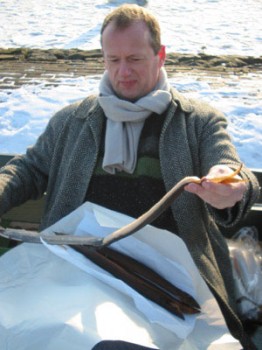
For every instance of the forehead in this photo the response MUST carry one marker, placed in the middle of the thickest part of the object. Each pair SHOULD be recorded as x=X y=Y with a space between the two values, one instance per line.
x=135 y=37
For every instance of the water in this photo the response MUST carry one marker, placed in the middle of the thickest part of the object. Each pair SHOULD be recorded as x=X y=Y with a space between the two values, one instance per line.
x=188 y=26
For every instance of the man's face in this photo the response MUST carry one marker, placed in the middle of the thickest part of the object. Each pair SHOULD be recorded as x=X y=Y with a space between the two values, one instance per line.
x=131 y=63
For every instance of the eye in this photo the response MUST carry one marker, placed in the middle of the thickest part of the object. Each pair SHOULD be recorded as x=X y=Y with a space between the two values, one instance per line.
x=112 y=59
x=135 y=59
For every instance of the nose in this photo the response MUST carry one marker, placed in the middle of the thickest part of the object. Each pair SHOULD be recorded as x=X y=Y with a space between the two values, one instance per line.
x=124 y=68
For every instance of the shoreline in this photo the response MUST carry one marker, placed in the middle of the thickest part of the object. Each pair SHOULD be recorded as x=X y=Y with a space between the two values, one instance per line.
x=179 y=59
x=19 y=66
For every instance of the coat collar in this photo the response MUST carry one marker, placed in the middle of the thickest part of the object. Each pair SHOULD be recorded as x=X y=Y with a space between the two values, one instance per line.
x=183 y=102
x=88 y=107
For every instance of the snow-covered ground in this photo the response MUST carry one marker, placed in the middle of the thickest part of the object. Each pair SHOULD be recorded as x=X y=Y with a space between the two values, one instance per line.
x=188 y=26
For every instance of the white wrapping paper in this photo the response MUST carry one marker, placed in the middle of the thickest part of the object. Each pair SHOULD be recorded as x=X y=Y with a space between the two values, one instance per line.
x=51 y=297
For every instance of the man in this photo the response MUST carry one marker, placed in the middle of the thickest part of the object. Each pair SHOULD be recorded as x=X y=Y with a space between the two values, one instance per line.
x=126 y=147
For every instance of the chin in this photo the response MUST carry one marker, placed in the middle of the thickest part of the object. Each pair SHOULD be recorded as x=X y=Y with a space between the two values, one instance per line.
x=128 y=98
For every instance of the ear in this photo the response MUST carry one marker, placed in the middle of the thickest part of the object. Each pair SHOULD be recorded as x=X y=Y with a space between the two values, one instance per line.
x=162 y=54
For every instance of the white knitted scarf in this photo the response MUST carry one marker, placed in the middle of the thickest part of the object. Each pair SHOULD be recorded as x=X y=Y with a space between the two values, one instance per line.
x=125 y=121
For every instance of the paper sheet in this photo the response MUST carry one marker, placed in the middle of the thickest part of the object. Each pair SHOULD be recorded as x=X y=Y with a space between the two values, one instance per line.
x=51 y=303
x=143 y=253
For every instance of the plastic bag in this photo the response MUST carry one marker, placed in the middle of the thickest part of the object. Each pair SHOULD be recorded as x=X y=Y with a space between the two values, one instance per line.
x=246 y=258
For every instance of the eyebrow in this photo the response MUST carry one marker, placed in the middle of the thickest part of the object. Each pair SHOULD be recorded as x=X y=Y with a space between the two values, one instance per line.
x=129 y=56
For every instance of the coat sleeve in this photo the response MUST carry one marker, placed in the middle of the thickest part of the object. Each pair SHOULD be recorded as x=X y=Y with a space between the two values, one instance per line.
x=215 y=147
x=26 y=176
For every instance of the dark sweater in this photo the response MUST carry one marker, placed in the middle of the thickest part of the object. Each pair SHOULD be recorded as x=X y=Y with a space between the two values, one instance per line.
x=133 y=194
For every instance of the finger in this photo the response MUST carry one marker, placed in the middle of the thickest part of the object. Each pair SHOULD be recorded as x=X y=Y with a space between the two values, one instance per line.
x=236 y=190
x=223 y=174
x=219 y=196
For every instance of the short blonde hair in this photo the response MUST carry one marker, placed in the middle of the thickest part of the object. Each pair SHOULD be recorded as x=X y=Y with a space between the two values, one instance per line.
x=125 y=15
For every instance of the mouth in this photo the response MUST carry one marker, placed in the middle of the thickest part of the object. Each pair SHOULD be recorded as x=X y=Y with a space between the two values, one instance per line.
x=127 y=84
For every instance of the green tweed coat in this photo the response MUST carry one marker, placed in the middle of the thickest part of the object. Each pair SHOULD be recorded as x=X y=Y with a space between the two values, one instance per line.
x=193 y=139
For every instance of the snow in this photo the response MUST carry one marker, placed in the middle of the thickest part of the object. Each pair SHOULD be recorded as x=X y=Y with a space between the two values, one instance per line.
x=212 y=26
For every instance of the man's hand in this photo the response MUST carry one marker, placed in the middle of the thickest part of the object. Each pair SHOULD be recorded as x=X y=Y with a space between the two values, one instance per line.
x=218 y=195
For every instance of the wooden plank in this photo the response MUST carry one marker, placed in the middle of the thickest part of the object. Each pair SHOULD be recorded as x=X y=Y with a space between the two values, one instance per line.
x=27 y=215
x=4 y=158
x=258 y=173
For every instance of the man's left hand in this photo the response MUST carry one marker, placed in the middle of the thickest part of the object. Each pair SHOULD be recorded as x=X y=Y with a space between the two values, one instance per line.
x=218 y=195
